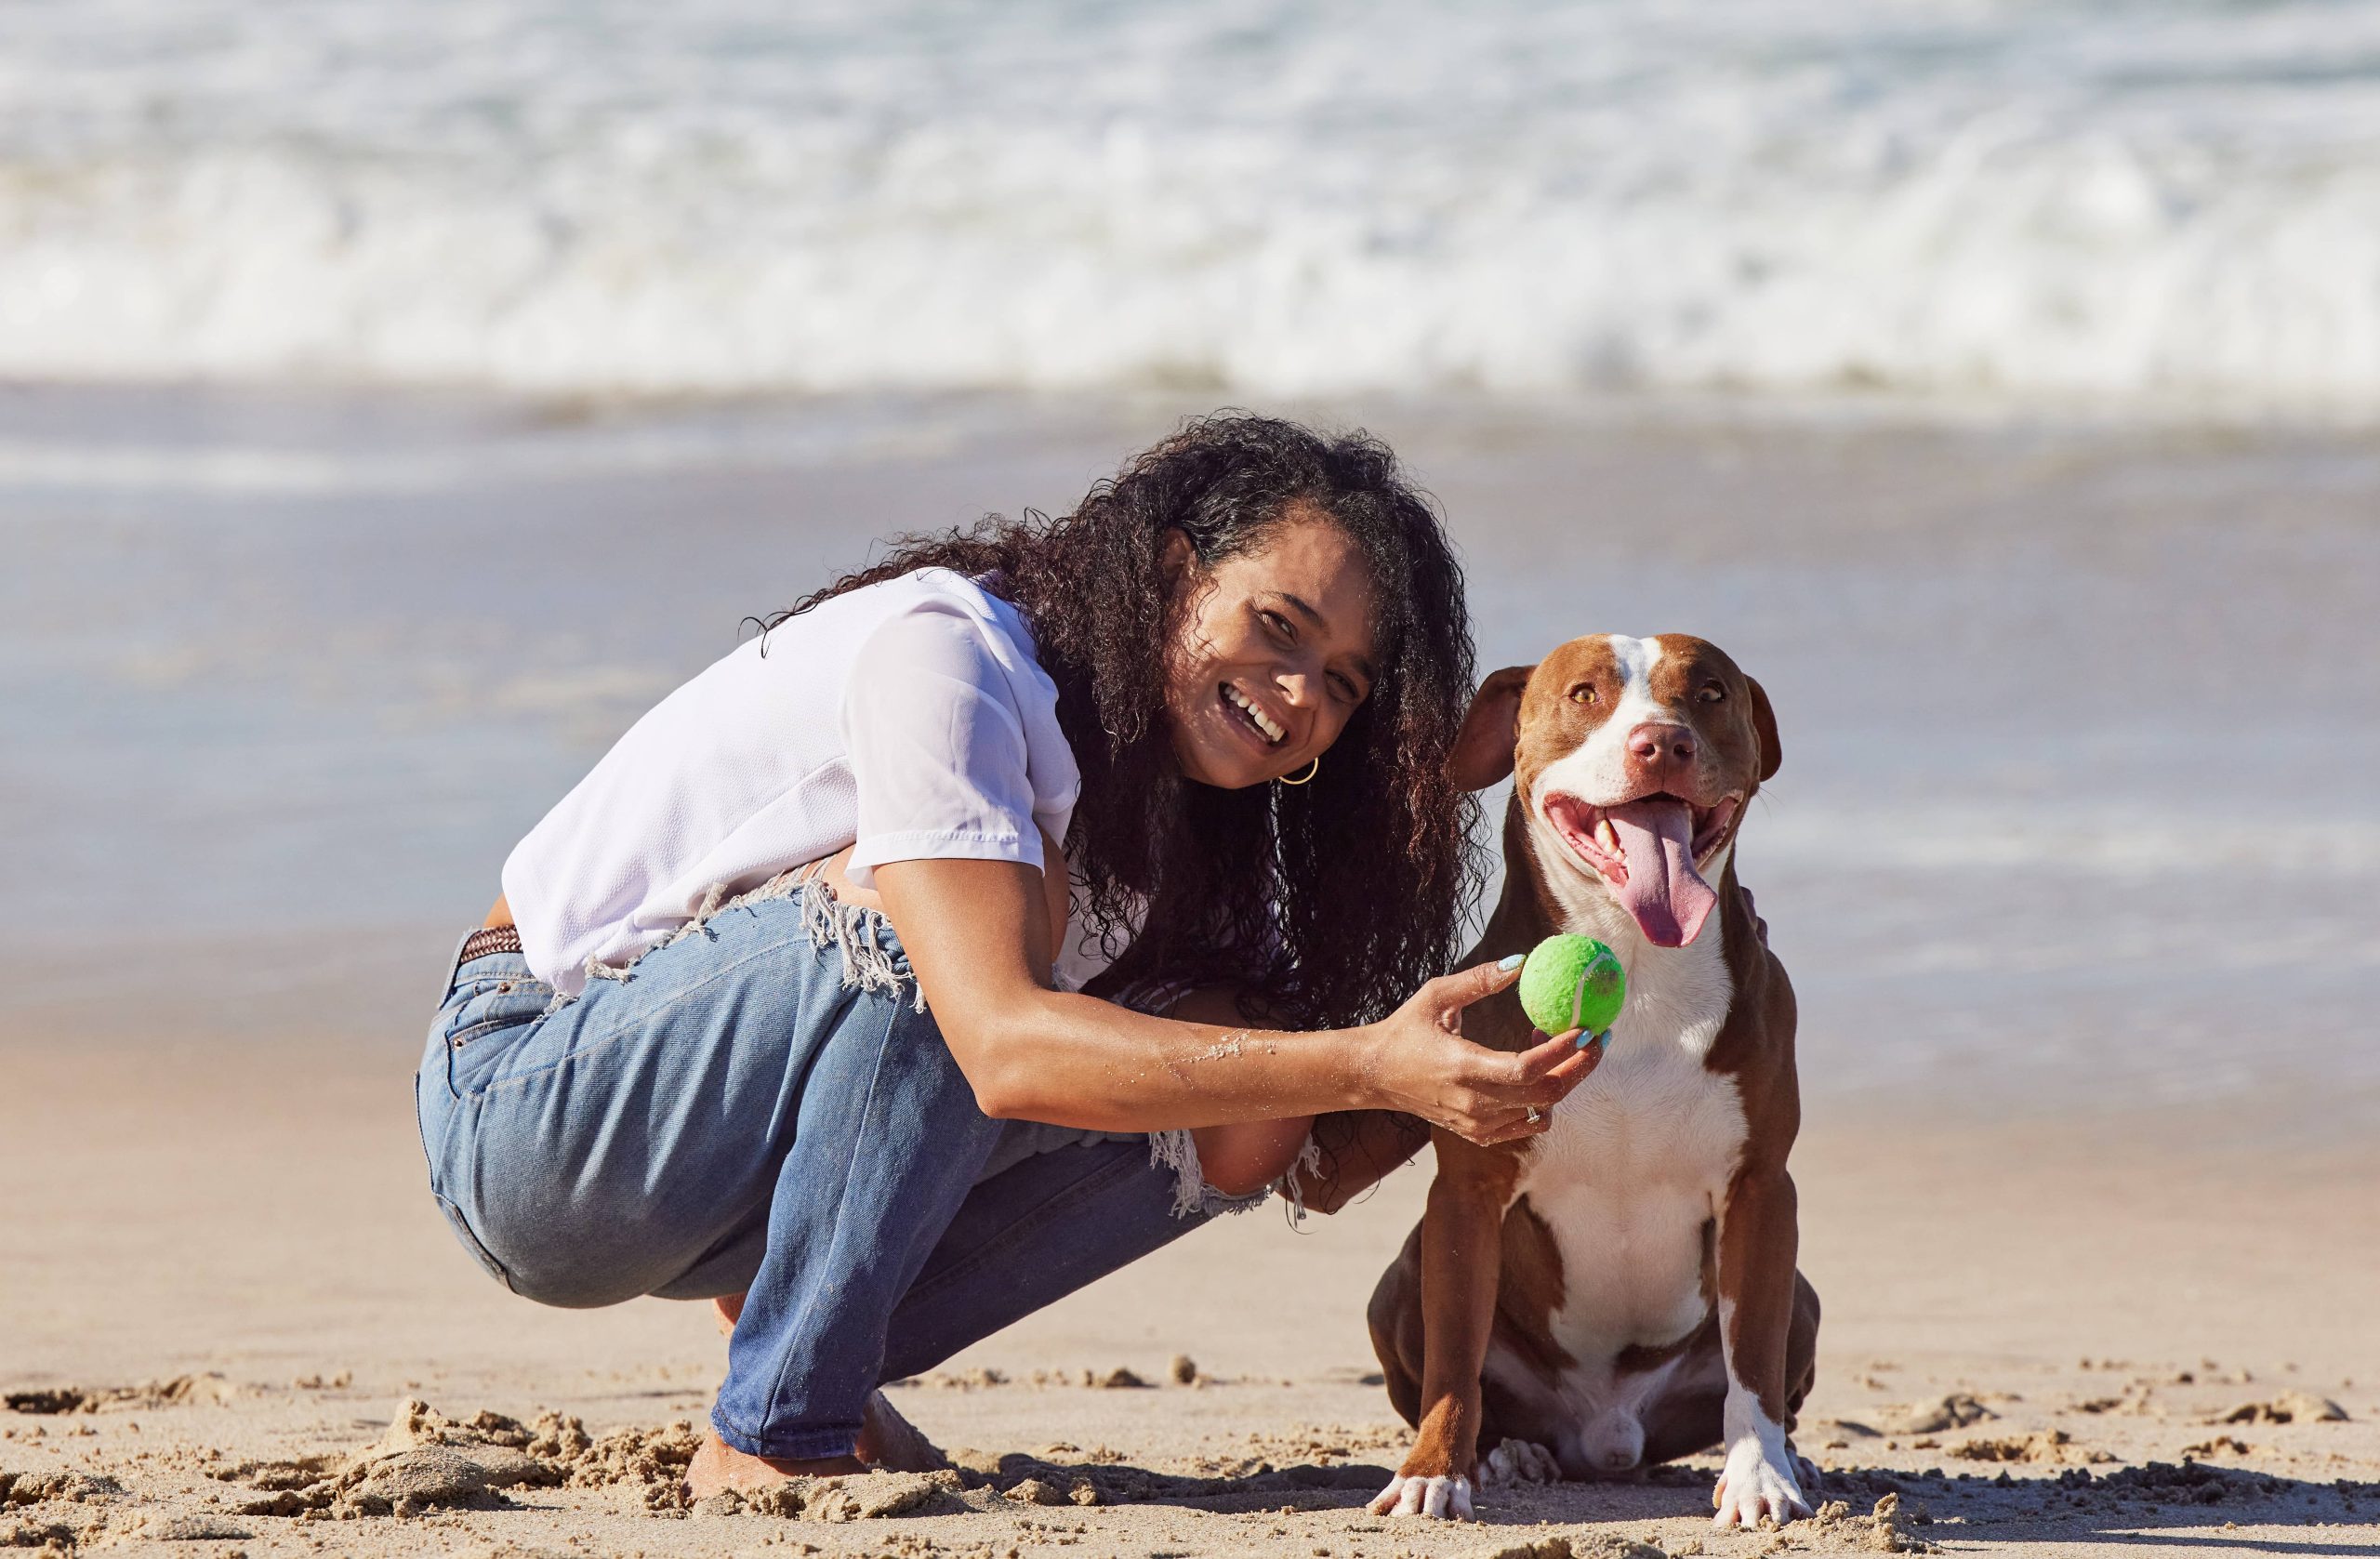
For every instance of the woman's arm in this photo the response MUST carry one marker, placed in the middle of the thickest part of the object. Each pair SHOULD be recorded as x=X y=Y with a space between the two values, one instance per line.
x=978 y=934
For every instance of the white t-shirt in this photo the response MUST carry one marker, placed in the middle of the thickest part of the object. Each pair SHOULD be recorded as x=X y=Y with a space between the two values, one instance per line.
x=908 y=717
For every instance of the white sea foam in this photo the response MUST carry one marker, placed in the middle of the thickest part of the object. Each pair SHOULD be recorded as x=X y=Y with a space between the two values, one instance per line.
x=2114 y=201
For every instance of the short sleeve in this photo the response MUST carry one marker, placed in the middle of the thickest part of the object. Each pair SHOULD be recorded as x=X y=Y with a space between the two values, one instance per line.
x=938 y=749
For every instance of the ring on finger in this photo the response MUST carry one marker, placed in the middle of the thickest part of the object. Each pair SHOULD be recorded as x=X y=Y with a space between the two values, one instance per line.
x=1535 y=1118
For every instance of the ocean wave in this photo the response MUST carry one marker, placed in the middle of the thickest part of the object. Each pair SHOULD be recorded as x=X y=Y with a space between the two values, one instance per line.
x=2123 y=204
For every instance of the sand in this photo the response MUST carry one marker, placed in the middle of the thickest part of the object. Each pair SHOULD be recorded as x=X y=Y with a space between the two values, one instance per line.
x=234 y=1323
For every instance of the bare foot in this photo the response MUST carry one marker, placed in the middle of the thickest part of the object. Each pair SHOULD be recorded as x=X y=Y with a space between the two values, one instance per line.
x=718 y=1466
x=891 y=1442
x=886 y=1440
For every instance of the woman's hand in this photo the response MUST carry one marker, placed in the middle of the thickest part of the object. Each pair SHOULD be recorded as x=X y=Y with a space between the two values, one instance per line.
x=1417 y=1061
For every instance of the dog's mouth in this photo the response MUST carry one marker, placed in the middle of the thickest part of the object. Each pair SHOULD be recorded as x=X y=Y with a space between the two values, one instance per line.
x=1651 y=852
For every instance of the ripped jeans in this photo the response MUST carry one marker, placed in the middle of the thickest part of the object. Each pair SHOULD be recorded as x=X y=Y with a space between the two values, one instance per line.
x=761 y=1107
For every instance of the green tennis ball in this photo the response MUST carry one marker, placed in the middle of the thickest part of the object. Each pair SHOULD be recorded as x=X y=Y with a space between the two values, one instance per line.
x=1573 y=982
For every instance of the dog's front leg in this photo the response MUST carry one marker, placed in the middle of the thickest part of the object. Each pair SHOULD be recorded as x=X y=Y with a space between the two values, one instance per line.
x=1758 y=1240
x=1462 y=1236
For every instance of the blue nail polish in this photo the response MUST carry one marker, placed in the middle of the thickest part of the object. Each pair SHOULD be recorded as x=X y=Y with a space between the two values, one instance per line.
x=1600 y=1041
x=1513 y=962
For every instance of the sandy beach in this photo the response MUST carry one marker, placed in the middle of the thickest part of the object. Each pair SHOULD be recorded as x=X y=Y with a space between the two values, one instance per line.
x=2078 y=1333
x=2086 y=1177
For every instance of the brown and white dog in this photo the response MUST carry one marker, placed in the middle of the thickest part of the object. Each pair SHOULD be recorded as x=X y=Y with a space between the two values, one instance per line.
x=1621 y=1289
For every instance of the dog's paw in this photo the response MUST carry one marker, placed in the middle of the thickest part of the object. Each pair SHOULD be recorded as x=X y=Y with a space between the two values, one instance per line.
x=1413 y=1494
x=1515 y=1461
x=1755 y=1486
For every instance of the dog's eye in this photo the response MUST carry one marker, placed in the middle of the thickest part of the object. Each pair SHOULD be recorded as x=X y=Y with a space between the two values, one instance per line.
x=1711 y=693
x=1583 y=694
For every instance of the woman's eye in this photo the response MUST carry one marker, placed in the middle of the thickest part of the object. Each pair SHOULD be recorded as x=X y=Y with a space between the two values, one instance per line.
x=1280 y=624
x=1583 y=696
x=1347 y=690
x=1712 y=691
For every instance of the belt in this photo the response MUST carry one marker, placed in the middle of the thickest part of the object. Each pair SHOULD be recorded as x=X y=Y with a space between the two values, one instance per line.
x=490 y=939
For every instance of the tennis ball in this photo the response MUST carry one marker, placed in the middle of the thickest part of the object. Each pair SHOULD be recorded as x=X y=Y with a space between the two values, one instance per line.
x=1573 y=982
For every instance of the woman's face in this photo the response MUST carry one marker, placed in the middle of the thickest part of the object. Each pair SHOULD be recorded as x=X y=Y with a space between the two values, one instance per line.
x=1274 y=654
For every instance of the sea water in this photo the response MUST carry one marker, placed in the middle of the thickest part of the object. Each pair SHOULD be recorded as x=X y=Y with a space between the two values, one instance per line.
x=2086 y=200
x=2079 y=723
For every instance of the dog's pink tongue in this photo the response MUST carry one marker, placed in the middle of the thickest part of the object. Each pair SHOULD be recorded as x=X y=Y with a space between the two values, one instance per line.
x=1664 y=892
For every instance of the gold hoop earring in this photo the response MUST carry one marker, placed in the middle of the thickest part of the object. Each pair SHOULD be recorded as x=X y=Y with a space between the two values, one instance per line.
x=1312 y=768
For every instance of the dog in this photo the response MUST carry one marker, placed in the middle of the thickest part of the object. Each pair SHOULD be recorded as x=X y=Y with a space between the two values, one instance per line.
x=1621 y=1289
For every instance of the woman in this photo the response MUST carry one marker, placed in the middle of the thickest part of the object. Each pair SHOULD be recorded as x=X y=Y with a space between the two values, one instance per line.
x=769 y=997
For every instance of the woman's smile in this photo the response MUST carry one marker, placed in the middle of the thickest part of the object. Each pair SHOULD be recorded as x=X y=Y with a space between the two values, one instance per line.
x=1275 y=651
x=1267 y=731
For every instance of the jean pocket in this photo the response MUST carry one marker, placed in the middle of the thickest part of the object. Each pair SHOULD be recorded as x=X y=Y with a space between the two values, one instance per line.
x=486 y=1006
x=470 y=1242
x=475 y=1033
x=481 y=1030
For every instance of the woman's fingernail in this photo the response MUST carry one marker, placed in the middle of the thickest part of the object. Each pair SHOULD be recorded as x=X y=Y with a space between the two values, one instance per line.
x=1508 y=965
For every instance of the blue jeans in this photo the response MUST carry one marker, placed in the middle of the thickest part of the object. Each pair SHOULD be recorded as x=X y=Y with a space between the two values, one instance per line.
x=760 y=1107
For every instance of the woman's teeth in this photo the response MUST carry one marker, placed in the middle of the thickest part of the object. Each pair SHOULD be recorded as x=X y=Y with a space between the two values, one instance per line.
x=1255 y=716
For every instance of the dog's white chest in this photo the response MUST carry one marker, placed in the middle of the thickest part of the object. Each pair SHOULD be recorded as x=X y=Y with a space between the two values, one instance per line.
x=1636 y=1165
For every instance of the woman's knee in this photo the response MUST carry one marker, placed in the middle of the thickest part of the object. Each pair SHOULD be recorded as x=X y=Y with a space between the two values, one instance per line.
x=1240 y=1160
x=1220 y=1004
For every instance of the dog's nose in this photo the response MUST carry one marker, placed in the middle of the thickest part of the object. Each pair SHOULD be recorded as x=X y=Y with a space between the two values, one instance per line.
x=1656 y=744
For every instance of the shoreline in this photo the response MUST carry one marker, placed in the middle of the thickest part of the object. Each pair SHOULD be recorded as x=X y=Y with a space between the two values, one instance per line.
x=764 y=428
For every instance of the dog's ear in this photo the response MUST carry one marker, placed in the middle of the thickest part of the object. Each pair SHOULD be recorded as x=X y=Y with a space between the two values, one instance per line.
x=1764 y=726
x=1482 y=748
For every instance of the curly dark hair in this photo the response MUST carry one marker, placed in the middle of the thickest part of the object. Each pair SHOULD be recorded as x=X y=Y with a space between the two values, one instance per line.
x=1326 y=903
